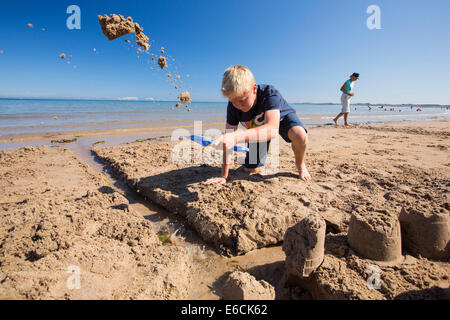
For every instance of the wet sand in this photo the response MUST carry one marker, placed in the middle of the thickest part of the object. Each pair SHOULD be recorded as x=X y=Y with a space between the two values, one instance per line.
x=101 y=132
x=362 y=169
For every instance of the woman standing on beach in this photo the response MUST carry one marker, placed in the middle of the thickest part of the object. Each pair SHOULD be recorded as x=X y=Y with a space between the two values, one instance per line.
x=347 y=94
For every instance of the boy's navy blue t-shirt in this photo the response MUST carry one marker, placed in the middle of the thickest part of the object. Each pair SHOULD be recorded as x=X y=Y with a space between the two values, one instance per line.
x=267 y=98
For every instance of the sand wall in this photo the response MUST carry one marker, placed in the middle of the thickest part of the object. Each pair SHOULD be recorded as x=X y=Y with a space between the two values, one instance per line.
x=245 y=214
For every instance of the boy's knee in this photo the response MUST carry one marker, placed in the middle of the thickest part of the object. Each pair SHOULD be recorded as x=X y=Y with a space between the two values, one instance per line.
x=298 y=134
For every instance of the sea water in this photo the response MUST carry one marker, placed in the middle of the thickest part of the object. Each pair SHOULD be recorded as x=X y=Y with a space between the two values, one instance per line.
x=37 y=115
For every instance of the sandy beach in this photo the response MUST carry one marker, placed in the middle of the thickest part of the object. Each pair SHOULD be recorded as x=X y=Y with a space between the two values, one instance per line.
x=139 y=226
x=112 y=131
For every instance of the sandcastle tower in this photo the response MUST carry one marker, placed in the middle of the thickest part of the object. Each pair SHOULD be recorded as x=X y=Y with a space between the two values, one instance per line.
x=426 y=233
x=304 y=246
x=375 y=235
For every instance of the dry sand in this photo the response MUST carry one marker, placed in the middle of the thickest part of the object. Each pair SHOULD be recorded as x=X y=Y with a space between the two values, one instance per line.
x=241 y=216
x=58 y=212
x=249 y=213
x=363 y=170
x=243 y=286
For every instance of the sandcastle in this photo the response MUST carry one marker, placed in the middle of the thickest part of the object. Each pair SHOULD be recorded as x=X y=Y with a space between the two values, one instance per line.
x=375 y=235
x=243 y=286
x=304 y=246
x=427 y=234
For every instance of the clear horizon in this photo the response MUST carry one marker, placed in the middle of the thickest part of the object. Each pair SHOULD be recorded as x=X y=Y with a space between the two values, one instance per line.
x=205 y=101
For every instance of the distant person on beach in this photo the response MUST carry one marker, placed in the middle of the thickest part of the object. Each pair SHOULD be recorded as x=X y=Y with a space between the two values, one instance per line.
x=263 y=112
x=347 y=94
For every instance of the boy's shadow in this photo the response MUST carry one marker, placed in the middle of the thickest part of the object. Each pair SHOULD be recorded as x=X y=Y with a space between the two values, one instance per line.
x=178 y=181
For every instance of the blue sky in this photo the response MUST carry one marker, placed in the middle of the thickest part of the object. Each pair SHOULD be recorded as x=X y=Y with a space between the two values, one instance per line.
x=306 y=49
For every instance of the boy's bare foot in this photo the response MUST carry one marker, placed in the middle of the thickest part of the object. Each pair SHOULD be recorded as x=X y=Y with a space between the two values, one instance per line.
x=335 y=122
x=252 y=170
x=348 y=125
x=303 y=173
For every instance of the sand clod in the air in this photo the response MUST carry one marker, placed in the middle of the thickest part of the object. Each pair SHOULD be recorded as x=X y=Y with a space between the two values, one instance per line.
x=141 y=38
x=116 y=26
x=62 y=55
x=162 y=62
x=184 y=97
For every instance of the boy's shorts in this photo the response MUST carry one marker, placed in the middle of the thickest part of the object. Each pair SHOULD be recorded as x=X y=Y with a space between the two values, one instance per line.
x=258 y=150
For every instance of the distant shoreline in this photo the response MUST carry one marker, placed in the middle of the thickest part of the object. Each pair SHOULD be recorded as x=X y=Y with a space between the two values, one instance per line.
x=101 y=132
x=301 y=103
x=367 y=104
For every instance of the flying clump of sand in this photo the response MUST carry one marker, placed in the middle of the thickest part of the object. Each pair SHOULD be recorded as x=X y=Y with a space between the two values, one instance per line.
x=184 y=97
x=115 y=26
x=162 y=62
x=64 y=56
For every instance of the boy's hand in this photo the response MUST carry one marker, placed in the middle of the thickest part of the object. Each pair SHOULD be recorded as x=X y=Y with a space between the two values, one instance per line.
x=218 y=180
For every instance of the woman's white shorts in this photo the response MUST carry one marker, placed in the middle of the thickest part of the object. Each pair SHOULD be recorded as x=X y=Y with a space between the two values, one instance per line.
x=345 y=101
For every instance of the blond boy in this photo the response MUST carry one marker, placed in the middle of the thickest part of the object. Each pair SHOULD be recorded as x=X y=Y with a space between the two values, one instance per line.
x=263 y=112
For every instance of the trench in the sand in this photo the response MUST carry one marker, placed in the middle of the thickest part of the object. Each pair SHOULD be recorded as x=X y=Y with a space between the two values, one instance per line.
x=210 y=266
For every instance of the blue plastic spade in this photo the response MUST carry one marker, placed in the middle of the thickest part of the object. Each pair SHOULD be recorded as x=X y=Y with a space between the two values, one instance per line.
x=204 y=141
